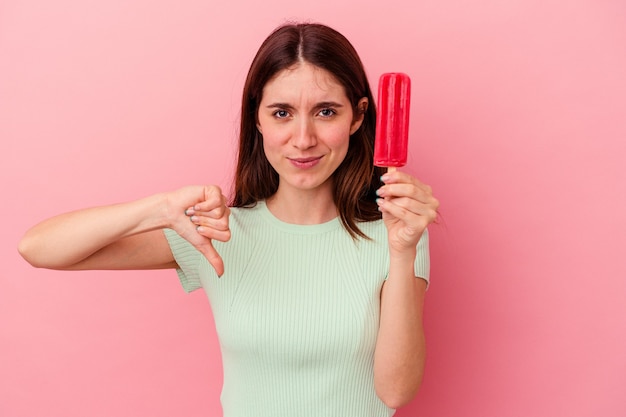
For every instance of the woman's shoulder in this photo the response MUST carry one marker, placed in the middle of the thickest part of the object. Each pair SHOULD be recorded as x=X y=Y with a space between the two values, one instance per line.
x=246 y=216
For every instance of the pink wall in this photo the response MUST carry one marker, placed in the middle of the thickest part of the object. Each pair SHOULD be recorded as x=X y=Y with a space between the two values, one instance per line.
x=518 y=123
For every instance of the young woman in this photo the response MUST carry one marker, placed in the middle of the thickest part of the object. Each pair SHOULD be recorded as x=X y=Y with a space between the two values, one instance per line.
x=315 y=270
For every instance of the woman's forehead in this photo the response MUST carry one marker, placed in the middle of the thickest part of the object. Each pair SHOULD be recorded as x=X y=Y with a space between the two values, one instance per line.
x=303 y=81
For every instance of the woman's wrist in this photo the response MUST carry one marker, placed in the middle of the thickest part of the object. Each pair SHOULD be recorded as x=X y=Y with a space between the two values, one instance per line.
x=165 y=210
x=155 y=211
x=402 y=256
x=401 y=263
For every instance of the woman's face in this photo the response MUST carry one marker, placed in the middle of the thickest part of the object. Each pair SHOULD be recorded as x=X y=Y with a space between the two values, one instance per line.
x=306 y=121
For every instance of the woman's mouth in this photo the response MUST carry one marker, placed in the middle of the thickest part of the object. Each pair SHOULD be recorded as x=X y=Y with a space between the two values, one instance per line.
x=304 y=163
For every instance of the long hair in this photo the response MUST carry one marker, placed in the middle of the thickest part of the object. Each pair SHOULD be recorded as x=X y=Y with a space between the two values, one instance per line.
x=356 y=179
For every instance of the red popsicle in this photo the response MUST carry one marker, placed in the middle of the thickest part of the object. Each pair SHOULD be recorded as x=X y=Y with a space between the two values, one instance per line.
x=392 y=120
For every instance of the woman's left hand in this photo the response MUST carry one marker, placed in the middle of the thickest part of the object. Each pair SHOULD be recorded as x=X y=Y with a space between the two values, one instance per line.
x=408 y=207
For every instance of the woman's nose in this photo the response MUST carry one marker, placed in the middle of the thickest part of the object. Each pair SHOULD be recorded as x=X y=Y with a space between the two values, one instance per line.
x=304 y=134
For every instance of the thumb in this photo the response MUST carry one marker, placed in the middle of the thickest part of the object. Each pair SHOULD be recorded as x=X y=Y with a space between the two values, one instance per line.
x=214 y=258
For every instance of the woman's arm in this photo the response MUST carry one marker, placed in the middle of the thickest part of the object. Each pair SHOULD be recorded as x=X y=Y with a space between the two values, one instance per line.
x=400 y=347
x=128 y=235
x=408 y=206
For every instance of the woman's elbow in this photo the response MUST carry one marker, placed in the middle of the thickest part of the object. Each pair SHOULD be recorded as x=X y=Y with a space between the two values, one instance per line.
x=25 y=249
x=397 y=389
x=397 y=400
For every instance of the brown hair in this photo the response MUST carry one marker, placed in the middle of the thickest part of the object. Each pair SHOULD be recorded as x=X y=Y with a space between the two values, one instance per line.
x=356 y=179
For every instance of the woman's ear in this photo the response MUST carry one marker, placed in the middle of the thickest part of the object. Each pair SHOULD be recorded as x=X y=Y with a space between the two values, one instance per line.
x=361 y=108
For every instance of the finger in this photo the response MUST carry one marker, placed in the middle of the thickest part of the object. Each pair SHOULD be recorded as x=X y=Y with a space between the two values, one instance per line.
x=205 y=246
x=409 y=211
x=420 y=193
x=210 y=198
x=216 y=218
x=216 y=213
x=211 y=223
x=209 y=206
x=397 y=176
x=213 y=257
x=210 y=233
x=213 y=198
x=415 y=206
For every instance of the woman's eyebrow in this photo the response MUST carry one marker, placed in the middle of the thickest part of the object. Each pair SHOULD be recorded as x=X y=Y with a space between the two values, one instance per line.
x=288 y=106
x=327 y=104
x=279 y=106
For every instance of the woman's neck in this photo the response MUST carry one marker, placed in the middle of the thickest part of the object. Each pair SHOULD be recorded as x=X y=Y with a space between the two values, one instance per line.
x=302 y=207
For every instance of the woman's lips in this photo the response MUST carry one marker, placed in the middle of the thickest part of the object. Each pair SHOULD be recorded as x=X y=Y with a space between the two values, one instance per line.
x=305 y=163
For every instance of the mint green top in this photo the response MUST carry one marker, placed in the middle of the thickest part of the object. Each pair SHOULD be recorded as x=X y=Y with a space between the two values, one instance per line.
x=296 y=313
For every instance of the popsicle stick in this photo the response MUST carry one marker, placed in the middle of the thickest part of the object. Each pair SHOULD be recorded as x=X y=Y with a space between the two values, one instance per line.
x=391 y=169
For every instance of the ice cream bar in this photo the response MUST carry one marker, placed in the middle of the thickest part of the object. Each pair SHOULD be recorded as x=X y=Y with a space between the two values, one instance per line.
x=392 y=120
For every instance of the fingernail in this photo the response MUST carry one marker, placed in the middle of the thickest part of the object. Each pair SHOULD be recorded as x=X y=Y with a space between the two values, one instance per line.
x=384 y=177
x=193 y=218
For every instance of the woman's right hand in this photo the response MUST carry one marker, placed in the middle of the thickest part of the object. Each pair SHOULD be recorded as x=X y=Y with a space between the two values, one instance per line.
x=129 y=235
x=200 y=214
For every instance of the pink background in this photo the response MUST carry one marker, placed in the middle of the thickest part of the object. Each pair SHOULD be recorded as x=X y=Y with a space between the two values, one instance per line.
x=518 y=122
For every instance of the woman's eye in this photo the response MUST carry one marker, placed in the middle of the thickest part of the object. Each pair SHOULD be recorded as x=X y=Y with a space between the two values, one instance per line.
x=327 y=112
x=281 y=114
